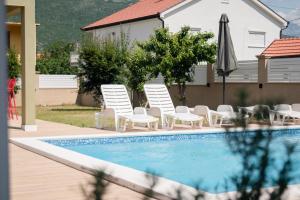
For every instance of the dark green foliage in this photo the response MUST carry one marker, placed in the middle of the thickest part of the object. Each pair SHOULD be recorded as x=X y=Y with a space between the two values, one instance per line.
x=14 y=67
x=175 y=55
x=98 y=185
x=258 y=159
x=55 y=59
x=102 y=62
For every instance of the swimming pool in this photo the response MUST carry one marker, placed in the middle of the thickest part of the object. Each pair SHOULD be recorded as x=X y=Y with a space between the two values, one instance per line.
x=188 y=158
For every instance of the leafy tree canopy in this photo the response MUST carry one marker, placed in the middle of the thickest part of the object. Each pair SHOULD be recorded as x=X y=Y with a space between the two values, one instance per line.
x=175 y=55
x=139 y=66
x=55 y=59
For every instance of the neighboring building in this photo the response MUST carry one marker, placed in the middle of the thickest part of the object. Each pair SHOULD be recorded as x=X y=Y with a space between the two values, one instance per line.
x=26 y=10
x=283 y=61
x=14 y=35
x=253 y=25
x=283 y=48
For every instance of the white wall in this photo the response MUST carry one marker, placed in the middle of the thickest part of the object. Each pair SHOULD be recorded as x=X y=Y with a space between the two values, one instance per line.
x=58 y=81
x=55 y=81
x=284 y=70
x=244 y=16
x=135 y=31
x=247 y=72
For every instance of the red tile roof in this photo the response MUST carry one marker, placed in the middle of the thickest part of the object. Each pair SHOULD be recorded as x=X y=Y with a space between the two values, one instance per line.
x=283 y=48
x=143 y=9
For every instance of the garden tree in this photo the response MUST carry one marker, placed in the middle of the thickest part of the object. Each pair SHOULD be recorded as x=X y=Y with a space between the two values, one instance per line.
x=14 y=67
x=102 y=61
x=138 y=66
x=55 y=59
x=175 y=55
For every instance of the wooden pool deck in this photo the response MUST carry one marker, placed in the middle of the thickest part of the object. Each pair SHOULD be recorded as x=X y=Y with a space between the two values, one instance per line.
x=34 y=177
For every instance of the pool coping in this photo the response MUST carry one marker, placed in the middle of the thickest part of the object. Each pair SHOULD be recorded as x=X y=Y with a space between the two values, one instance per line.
x=128 y=177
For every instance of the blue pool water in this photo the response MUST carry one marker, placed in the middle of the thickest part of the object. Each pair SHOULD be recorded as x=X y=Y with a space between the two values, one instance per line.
x=187 y=158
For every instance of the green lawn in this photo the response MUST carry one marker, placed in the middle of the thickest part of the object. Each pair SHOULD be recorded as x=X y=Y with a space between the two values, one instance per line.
x=68 y=114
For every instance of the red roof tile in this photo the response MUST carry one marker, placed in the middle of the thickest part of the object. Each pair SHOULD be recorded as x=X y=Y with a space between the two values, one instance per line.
x=141 y=9
x=283 y=48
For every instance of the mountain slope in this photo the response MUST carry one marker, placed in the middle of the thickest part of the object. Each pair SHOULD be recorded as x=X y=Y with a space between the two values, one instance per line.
x=62 y=19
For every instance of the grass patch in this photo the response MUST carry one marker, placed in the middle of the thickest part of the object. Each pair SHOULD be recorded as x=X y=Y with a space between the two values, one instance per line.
x=68 y=114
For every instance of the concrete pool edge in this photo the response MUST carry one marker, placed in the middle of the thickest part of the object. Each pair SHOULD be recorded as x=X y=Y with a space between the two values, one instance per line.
x=130 y=178
x=121 y=175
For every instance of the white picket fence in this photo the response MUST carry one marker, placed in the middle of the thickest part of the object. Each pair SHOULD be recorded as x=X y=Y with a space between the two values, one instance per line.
x=247 y=72
x=284 y=70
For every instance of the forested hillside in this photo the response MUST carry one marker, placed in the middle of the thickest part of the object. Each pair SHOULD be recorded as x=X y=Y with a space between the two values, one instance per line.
x=62 y=19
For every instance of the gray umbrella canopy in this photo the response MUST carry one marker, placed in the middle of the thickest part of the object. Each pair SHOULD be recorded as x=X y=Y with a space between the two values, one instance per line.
x=226 y=60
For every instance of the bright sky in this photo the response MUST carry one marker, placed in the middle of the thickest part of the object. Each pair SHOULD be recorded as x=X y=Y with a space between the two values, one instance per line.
x=289 y=9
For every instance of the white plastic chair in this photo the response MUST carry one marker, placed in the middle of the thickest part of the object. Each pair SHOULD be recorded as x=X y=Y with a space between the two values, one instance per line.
x=118 y=108
x=285 y=111
x=161 y=106
x=211 y=116
x=296 y=107
x=228 y=114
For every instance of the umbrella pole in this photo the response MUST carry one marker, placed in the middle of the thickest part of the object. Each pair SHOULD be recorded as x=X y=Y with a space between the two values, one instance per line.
x=224 y=79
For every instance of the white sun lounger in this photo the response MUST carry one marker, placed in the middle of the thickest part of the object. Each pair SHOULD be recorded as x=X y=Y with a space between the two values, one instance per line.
x=284 y=112
x=296 y=107
x=211 y=116
x=161 y=106
x=118 y=108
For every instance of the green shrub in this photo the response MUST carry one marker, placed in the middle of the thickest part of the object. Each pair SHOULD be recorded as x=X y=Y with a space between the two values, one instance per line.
x=14 y=67
x=101 y=62
x=55 y=59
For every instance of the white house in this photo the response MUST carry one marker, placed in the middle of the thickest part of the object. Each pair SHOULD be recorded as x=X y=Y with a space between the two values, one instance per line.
x=253 y=25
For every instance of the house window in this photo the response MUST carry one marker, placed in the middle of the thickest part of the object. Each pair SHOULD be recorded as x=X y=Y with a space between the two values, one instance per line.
x=195 y=30
x=225 y=1
x=257 y=39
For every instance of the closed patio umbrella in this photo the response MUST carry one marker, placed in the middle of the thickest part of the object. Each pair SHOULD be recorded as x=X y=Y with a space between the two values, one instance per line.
x=226 y=60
